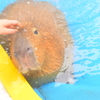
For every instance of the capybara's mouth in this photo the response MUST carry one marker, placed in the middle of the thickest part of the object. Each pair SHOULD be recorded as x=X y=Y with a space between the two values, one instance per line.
x=27 y=69
x=27 y=64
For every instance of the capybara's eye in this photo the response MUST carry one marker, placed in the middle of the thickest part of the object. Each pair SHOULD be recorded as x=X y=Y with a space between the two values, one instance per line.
x=35 y=32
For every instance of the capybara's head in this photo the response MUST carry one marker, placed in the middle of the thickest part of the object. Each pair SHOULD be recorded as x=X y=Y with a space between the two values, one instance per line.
x=34 y=49
x=38 y=48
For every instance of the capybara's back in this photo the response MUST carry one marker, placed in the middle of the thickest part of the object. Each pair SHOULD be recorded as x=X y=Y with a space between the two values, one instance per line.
x=37 y=49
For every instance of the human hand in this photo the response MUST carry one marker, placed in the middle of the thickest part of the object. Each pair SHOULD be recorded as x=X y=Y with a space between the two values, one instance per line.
x=9 y=26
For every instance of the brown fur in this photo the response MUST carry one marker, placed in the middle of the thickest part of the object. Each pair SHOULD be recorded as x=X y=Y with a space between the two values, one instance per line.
x=47 y=46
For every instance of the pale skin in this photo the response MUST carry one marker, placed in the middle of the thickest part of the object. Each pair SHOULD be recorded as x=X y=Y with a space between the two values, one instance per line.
x=9 y=26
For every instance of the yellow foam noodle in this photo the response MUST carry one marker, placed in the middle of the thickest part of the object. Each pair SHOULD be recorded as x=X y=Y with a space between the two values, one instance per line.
x=13 y=81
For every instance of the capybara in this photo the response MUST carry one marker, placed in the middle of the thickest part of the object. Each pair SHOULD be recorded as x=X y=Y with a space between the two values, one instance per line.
x=37 y=49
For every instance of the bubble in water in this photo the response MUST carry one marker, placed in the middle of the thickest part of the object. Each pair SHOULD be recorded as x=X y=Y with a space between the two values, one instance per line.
x=36 y=48
x=64 y=40
x=2 y=42
x=27 y=38
x=7 y=48
x=25 y=30
x=28 y=2
x=36 y=56
x=27 y=74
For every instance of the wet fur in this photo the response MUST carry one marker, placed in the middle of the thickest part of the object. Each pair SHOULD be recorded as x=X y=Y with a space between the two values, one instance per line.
x=51 y=41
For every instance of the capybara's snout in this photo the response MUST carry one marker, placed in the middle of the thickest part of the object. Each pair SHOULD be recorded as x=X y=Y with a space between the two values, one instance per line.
x=23 y=54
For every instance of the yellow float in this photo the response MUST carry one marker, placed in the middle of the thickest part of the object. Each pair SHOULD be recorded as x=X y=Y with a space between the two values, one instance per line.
x=13 y=81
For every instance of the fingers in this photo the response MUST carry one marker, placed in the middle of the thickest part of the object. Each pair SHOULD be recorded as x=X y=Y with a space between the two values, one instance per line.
x=10 y=23
x=10 y=31
x=9 y=26
x=15 y=23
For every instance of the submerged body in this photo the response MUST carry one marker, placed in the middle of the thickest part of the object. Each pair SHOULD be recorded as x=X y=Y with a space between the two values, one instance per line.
x=37 y=50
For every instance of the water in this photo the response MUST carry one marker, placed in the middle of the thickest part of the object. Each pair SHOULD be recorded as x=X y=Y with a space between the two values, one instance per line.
x=83 y=18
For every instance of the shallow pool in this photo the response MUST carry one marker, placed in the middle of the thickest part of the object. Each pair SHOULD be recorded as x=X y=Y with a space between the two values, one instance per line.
x=83 y=17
